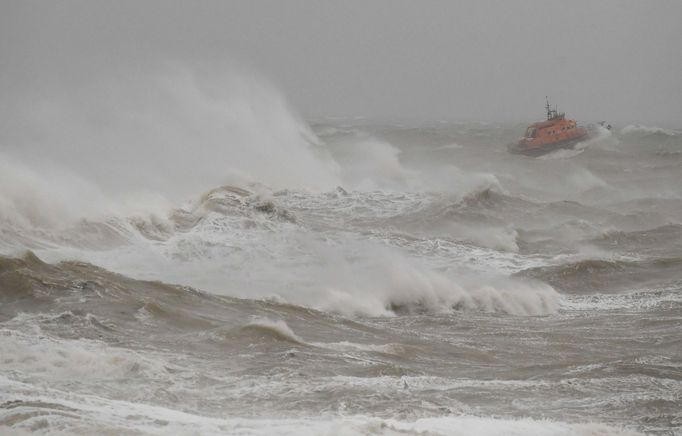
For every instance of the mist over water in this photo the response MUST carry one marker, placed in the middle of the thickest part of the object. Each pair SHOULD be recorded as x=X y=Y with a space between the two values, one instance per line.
x=172 y=131
x=182 y=252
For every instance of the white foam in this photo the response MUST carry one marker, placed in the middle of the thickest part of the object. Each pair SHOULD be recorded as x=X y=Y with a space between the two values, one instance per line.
x=279 y=327
x=40 y=357
x=354 y=346
x=92 y=414
x=637 y=128
x=601 y=137
x=392 y=280
x=245 y=253
x=565 y=153
x=641 y=300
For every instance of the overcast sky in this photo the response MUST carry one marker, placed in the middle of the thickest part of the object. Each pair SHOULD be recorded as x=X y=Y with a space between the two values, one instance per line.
x=463 y=60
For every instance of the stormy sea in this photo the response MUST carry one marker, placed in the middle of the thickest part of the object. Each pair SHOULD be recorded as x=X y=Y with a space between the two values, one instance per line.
x=178 y=261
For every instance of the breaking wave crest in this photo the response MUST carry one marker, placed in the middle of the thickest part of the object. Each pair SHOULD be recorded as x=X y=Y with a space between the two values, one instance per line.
x=396 y=287
x=278 y=330
x=388 y=288
x=639 y=129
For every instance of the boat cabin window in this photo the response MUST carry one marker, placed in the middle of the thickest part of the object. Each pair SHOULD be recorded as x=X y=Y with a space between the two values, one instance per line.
x=530 y=133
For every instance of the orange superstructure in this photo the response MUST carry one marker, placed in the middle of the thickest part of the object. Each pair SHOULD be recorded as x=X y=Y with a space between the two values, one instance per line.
x=546 y=136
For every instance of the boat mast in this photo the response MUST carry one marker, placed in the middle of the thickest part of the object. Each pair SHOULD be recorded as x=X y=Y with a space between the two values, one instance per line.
x=551 y=113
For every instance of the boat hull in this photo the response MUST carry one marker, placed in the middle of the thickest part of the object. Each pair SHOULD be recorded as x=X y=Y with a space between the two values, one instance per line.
x=520 y=148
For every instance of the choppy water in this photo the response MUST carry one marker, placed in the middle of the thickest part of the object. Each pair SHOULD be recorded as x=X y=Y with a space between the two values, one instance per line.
x=444 y=287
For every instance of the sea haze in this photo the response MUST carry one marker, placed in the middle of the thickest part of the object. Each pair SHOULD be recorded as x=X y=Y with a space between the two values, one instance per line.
x=184 y=249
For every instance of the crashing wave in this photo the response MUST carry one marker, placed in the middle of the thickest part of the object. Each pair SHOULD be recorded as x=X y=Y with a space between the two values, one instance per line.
x=229 y=200
x=636 y=128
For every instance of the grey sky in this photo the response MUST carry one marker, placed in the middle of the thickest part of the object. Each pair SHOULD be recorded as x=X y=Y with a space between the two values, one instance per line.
x=476 y=60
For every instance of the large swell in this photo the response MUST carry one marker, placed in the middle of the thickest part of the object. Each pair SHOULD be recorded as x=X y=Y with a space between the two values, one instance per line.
x=215 y=264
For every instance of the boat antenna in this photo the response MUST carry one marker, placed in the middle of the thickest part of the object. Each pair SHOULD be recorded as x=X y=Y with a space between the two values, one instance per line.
x=551 y=113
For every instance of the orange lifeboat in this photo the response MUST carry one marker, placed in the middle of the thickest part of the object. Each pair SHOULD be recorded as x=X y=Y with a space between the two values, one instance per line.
x=546 y=136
